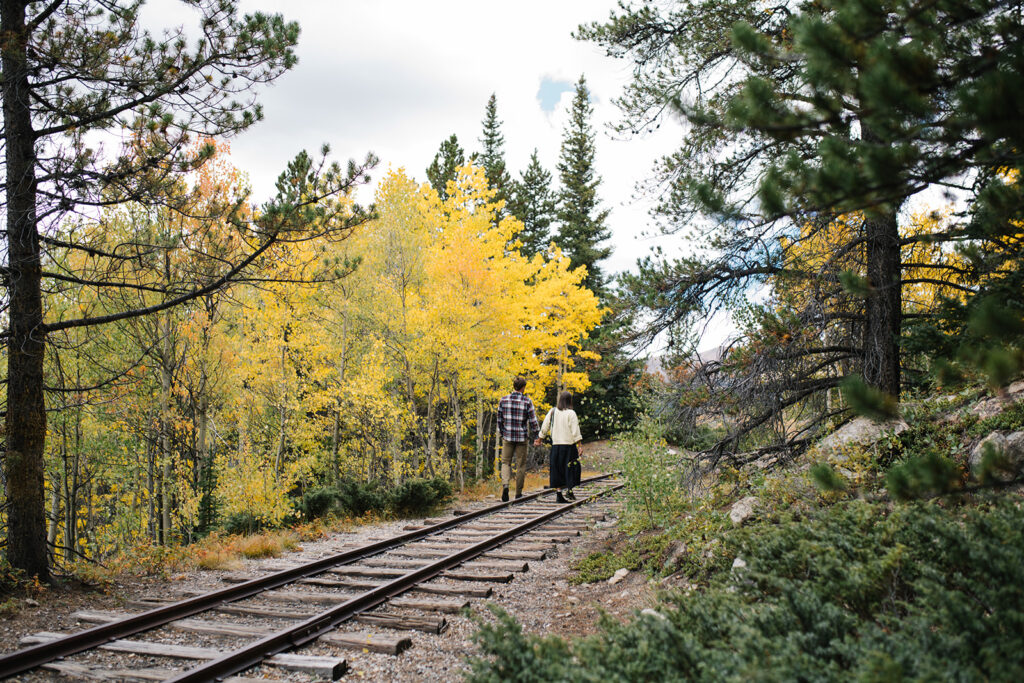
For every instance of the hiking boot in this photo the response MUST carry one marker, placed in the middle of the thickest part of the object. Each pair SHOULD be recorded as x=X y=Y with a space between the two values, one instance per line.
x=519 y=494
x=504 y=494
x=559 y=498
x=570 y=495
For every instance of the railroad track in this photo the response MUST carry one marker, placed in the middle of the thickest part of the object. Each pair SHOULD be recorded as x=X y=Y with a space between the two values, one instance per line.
x=443 y=563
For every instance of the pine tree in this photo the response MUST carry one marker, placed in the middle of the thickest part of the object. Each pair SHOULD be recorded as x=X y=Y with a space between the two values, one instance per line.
x=838 y=108
x=445 y=166
x=493 y=156
x=533 y=202
x=581 y=227
x=75 y=70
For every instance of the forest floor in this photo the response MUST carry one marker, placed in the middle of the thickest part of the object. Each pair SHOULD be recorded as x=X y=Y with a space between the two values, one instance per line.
x=542 y=599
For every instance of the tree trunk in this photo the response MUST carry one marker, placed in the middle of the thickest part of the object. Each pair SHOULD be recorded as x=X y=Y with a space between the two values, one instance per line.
x=279 y=456
x=883 y=307
x=151 y=486
x=497 y=447
x=26 y=412
x=431 y=433
x=335 y=465
x=166 y=427
x=479 y=436
x=457 y=413
x=54 y=524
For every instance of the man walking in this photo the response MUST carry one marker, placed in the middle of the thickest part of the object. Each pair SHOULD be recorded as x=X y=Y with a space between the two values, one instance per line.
x=517 y=423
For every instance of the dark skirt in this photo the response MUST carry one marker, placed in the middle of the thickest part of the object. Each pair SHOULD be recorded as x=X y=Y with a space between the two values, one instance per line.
x=564 y=471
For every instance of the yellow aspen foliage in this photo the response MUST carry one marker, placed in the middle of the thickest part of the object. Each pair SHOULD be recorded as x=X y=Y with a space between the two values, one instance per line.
x=374 y=357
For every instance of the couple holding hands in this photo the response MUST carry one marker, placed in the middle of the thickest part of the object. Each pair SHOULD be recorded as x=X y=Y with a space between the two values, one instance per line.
x=517 y=423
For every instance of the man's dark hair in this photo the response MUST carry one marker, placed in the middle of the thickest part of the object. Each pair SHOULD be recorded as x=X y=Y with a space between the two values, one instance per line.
x=519 y=383
x=565 y=400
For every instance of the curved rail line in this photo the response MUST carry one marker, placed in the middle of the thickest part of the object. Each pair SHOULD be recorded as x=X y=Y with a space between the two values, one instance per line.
x=309 y=629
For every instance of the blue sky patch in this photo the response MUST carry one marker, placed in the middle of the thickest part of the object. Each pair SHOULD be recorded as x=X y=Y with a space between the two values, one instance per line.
x=550 y=91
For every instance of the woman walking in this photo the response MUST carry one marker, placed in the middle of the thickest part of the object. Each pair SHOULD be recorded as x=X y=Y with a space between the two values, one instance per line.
x=566 y=446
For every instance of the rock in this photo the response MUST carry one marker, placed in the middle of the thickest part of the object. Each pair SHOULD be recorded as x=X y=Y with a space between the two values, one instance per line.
x=573 y=600
x=1011 y=446
x=739 y=563
x=989 y=407
x=675 y=557
x=742 y=509
x=618 y=576
x=859 y=431
x=653 y=613
x=1016 y=388
x=31 y=603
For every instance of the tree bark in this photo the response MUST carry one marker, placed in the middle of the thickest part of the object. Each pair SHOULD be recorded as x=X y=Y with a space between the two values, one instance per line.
x=883 y=308
x=166 y=427
x=479 y=436
x=457 y=413
x=26 y=413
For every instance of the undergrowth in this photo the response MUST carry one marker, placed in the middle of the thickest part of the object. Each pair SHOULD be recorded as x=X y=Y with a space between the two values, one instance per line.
x=856 y=591
x=635 y=554
x=839 y=582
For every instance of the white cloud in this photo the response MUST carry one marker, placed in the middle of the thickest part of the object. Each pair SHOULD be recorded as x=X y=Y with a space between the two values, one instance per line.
x=396 y=77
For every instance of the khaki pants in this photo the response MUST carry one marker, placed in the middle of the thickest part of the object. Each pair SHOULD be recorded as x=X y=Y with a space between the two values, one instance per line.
x=508 y=449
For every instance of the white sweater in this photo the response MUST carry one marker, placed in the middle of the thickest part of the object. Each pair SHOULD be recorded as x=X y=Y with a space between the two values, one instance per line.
x=563 y=425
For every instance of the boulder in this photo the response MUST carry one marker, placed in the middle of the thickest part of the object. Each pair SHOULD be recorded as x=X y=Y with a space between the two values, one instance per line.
x=1010 y=445
x=989 y=407
x=742 y=509
x=653 y=613
x=675 y=557
x=739 y=563
x=618 y=576
x=860 y=431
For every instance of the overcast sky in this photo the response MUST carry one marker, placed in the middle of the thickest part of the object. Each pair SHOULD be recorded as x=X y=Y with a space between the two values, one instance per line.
x=396 y=77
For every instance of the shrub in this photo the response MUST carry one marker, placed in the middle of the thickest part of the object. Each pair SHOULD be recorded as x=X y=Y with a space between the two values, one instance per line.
x=653 y=473
x=242 y=523
x=318 y=502
x=267 y=545
x=356 y=498
x=217 y=559
x=858 y=591
x=416 y=497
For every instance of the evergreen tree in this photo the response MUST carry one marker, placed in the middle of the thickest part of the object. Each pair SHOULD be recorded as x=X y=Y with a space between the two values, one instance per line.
x=77 y=69
x=533 y=202
x=581 y=227
x=493 y=156
x=842 y=106
x=444 y=168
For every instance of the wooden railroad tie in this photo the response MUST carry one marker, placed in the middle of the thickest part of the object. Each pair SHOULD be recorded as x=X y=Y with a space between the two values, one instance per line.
x=445 y=606
x=436 y=589
x=86 y=672
x=355 y=641
x=332 y=667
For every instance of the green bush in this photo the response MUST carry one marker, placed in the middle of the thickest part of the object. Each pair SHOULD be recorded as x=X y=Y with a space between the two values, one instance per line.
x=652 y=474
x=318 y=502
x=858 y=591
x=357 y=498
x=243 y=523
x=416 y=497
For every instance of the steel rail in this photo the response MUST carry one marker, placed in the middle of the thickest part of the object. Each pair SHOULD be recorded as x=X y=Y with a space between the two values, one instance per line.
x=311 y=629
x=34 y=656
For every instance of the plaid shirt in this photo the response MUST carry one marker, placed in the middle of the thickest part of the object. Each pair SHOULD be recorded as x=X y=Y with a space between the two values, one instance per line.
x=517 y=420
